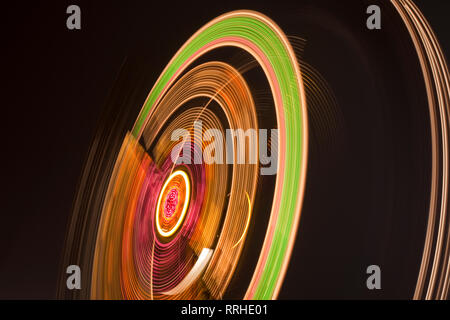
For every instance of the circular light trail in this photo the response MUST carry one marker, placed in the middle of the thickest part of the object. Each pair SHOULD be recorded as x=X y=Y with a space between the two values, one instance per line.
x=266 y=42
x=173 y=203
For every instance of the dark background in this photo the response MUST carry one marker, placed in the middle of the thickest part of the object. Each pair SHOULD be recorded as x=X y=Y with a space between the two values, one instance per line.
x=55 y=84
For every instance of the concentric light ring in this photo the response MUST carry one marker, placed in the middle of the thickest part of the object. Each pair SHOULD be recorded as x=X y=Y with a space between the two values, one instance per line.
x=180 y=219
x=264 y=40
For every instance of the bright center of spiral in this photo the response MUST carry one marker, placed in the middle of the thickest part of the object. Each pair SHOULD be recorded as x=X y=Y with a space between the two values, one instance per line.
x=173 y=203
